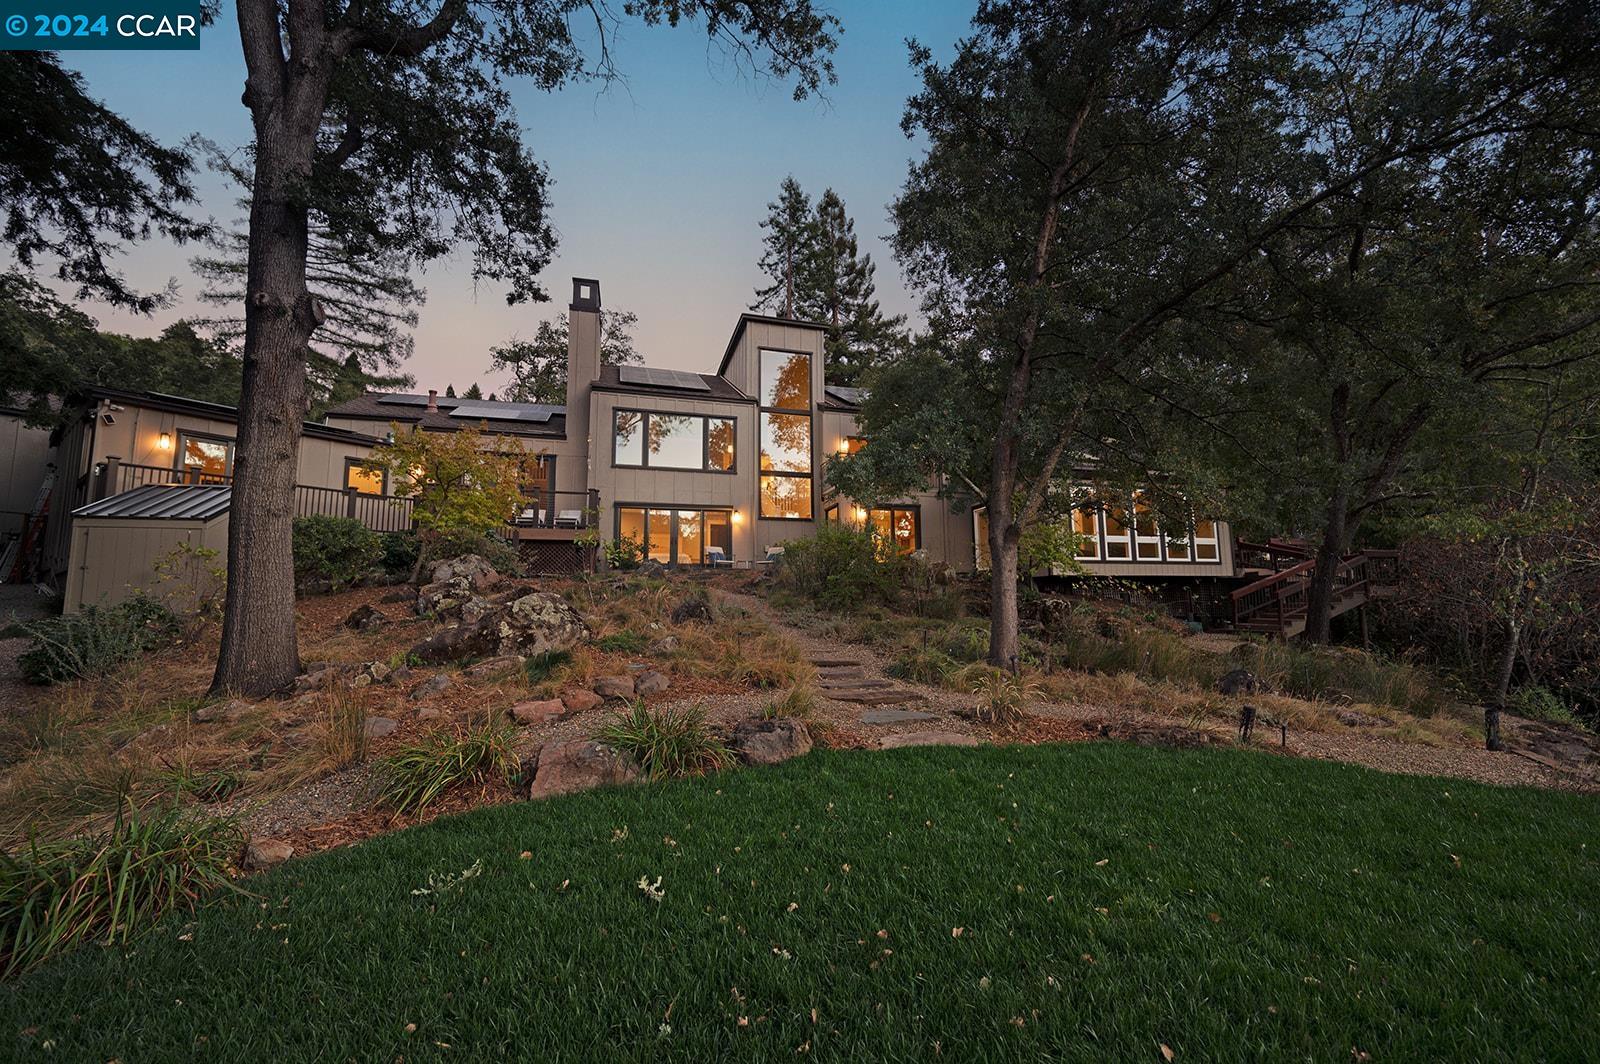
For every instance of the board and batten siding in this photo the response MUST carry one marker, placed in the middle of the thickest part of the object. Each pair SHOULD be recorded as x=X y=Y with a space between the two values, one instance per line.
x=112 y=558
x=24 y=459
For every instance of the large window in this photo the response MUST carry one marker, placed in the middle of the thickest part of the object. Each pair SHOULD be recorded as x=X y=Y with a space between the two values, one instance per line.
x=364 y=480
x=786 y=435
x=204 y=459
x=678 y=537
x=897 y=525
x=658 y=440
x=1086 y=524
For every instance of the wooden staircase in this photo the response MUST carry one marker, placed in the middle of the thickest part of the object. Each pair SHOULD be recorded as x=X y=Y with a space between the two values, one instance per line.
x=1276 y=603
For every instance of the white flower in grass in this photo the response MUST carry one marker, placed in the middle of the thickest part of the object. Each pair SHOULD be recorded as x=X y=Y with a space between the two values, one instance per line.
x=653 y=891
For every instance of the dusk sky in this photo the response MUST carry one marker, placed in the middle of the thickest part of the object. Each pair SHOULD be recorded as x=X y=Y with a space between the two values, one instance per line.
x=659 y=184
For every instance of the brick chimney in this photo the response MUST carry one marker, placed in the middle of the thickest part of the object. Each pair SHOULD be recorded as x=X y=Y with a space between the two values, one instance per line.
x=583 y=354
x=433 y=401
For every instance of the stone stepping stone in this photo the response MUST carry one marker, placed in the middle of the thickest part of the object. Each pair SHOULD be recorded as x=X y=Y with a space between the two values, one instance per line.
x=926 y=738
x=893 y=716
x=835 y=663
x=877 y=697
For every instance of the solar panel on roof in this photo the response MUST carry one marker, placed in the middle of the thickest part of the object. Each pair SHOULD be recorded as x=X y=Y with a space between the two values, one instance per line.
x=537 y=413
x=402 y=399
x=662 y=378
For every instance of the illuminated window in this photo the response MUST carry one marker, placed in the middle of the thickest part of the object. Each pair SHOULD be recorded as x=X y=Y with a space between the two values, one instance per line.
x=900 y=526
x=1086 y=525
x=1205 y=539
x=1117 y=534
x=364 y=480
x=786 y=435
x=672 y=441
x=204 y=459
x=1146 y=537
x=680 y=537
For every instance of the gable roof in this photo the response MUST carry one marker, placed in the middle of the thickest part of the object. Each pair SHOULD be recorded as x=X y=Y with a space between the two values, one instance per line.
x=167 y=502
x=542 y=420
x=761 y=319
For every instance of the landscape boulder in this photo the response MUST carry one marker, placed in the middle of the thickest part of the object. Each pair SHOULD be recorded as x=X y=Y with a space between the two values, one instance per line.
x=665 y=645
x=365 y=618
x=650 y=682
x=650 y=567
x=260 y=854
x=429 y=713
x=473 y=568
x=1241 y=682
x=579 y=700
x=614 y=687
x=545 y=711
x=435 y=685
x=444 y=598
x=495 y=666
x=579 y=765
x=694 y=608
x=769 y=742
x=537 y=623
x=378 y=727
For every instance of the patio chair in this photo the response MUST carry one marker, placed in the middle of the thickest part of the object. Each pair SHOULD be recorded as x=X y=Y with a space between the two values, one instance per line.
x=569 y=518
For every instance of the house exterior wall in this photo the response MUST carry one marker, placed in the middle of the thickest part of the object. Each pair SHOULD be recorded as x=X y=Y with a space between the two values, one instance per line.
x=24 y=459
x=112 y=558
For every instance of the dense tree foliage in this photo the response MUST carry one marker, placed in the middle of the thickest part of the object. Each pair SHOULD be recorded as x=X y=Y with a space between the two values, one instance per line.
x=538 y=365
x=77 y=182
x=816 y=272
x=49 y=350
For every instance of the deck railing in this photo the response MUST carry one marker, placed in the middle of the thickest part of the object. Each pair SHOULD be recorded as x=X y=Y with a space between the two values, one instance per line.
x=540 y=508
x=381 y=513
x=1275 y=603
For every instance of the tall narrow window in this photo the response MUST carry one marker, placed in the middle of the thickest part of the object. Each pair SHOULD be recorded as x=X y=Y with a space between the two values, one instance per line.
x=1205 y=539
x=1147 y=538
x=786 y=435
x=628 y=438
x=1118 y=548
x=898 y=529
x=1086 y=525
x=719 y=443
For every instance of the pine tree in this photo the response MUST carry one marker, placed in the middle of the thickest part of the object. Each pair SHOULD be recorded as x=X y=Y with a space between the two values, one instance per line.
x=449 y=391
x=790 y=236
x=473 y=392
x=838 y=289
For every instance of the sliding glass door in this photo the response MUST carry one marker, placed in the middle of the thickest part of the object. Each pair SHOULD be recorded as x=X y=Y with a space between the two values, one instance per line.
x=678 y=537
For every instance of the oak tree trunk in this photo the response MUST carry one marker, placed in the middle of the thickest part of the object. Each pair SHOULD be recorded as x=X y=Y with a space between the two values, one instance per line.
x=1003 y=550
x=259 y=652
x=1330 y=553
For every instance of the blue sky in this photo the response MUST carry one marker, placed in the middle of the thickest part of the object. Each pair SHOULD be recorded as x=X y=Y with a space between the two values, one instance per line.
x=658 y=184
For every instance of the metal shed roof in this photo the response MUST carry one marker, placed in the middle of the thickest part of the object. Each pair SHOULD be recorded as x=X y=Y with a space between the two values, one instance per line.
x=171 y=502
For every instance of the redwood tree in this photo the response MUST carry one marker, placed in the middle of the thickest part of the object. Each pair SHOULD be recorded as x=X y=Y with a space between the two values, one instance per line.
x=390 y=120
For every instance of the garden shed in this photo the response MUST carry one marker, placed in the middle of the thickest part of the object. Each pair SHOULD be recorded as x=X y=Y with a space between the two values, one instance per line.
x=118 y=542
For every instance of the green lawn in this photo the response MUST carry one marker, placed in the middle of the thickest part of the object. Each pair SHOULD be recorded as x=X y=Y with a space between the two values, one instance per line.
x=1113 y=899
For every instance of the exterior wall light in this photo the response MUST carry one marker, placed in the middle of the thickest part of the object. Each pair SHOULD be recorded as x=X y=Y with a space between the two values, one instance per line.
x=738 y=517
x=165 y=442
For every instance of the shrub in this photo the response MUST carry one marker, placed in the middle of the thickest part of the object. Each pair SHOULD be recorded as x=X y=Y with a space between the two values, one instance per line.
x=335 y=550
x=108 y=887
x=496 y=551
x=1332 y=674
x=94 y=640
x=839 y=568
x=1540 y=703
x=667 y=742
x=624 y=552
x=400 y=551
x=415 y=776
x=923 y=664
x=797 y=702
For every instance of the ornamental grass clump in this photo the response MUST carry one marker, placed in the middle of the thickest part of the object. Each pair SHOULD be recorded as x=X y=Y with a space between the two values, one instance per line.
x=415 y=776
x=111 y=886
x=666 y=741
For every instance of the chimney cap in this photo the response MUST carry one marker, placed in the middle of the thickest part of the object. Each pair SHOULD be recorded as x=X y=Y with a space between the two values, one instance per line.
x=585 y=294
